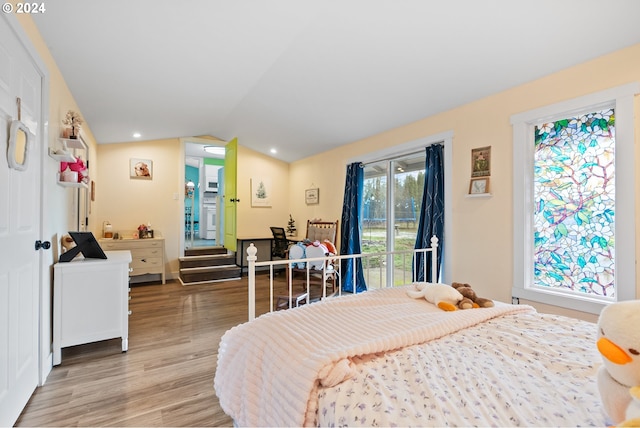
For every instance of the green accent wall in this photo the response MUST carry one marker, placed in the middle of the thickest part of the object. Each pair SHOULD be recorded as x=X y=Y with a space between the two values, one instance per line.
x=212 y=161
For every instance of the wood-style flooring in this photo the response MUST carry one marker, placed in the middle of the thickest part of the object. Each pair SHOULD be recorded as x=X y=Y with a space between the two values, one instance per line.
x=165 y=378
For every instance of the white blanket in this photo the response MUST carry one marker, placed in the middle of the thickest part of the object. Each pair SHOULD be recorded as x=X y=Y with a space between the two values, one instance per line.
x=269 y=369
x=525 y=370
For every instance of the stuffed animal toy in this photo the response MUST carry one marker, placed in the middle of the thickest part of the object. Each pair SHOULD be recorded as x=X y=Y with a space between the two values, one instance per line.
x=67 y=243
x=77 y=166
x=296 y=252
x=619 y=344
x=330 y=247
x=470 y=298
x=441 y=295
x=316 y=249
x=633 y=411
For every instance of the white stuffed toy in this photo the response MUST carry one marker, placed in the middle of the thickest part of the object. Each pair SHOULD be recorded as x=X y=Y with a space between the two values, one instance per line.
x=619 y=344
x=633 y=410
x=442 y=295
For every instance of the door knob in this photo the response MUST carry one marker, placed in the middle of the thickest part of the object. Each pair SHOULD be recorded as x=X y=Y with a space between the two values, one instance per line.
x=44 y=245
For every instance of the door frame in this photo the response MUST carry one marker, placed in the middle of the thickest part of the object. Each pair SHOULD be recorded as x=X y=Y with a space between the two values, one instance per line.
x=445 y=138
x=182 y=169
x=45 y=356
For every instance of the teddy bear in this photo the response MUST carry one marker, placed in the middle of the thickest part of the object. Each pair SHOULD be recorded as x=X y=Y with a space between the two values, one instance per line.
x=441 y=295
x=67 y=243
x=470 y=298
x=619 y=376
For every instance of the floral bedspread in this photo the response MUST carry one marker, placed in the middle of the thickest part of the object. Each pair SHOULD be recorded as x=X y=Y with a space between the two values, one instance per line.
x=522 y=370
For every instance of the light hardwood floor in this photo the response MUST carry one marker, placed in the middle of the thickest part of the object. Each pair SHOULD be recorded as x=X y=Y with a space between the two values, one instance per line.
x=165 y=378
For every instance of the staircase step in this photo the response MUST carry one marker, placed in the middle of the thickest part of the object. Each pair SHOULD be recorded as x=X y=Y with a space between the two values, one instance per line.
x=207 y=260
x=203 y=251
x=200 y=274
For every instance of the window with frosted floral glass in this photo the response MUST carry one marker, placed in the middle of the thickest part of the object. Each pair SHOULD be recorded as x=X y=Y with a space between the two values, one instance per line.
x=574 y=194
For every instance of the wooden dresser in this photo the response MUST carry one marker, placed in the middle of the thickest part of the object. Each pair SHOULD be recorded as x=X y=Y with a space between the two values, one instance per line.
x=147 y=254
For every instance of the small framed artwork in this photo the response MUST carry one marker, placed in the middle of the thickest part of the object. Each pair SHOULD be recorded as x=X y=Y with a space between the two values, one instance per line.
x=312 y=196
x=141 y=168
x=479 y=186
x=481 y=162
x=261 y=192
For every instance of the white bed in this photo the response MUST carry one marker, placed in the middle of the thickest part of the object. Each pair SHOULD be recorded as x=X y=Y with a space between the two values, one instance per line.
x=410 y=364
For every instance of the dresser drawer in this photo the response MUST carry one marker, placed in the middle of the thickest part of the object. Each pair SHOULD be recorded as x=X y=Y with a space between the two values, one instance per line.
x=150 y=262
x=147 y=254
x=131 y=244
x=140 y=253
x=146 y=265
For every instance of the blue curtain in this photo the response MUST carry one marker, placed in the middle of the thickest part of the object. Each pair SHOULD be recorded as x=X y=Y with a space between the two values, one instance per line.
x=352 y=229
x=431 y=212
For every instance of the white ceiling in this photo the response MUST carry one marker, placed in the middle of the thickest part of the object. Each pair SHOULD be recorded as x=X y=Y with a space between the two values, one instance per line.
x=306 y=76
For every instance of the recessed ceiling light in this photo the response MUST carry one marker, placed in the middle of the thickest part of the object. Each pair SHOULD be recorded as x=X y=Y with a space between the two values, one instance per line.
x=274 y=151
x=137 y=135
x=214 y=150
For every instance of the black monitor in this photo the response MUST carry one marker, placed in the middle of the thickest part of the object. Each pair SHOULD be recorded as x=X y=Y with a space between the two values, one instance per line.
x=86 y=244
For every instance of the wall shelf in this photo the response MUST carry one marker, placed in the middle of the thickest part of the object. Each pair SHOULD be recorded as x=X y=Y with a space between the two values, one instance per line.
x=71 y=183
x=61 y=155
x=67 y=154
x=72 y=143
x=479 y=195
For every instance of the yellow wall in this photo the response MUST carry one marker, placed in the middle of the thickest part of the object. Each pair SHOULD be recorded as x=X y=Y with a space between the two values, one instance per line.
x=478 y=224
x=255 y=221
x=126 y=203
x=482 y=227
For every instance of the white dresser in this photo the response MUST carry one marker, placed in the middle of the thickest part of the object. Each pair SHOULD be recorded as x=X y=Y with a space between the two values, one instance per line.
x=147 y=254
x=91 y=301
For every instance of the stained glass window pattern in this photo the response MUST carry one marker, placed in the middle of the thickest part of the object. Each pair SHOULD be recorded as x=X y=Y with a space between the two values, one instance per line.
x=574 y=194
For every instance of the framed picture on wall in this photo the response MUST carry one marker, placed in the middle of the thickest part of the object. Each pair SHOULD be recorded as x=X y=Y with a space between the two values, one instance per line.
x=481 y=162
x=479 y=186
x=261 y=192
x=312 y=196
x=141 y=168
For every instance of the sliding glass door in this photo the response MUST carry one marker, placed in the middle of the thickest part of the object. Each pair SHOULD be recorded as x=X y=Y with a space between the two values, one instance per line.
x=392 y=196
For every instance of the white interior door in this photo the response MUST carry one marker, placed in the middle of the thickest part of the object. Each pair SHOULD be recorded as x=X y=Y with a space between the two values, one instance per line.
x=19 y=229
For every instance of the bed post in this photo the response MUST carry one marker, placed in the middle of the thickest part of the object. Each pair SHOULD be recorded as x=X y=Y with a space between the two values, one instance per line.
x=434 y=259
x=251 y=261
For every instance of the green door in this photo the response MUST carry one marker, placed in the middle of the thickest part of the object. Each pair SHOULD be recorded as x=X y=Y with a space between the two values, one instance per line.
x=230 y=194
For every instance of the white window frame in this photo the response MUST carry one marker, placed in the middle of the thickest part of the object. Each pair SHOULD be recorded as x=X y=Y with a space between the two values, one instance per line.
x=445 y=138
x=620 y=98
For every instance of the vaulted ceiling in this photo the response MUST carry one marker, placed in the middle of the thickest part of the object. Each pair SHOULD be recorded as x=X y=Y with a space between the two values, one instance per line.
x=306 y=76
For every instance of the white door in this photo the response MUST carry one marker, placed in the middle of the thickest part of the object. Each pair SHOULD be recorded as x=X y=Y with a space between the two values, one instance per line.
x=19 y=229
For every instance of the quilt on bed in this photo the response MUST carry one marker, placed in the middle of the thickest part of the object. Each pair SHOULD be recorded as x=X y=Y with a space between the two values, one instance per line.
x=490 y=374
x=269 y=370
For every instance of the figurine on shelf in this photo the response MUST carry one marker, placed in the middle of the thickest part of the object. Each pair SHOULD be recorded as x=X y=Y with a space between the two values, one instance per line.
x=145 y=231
x=73 y=120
